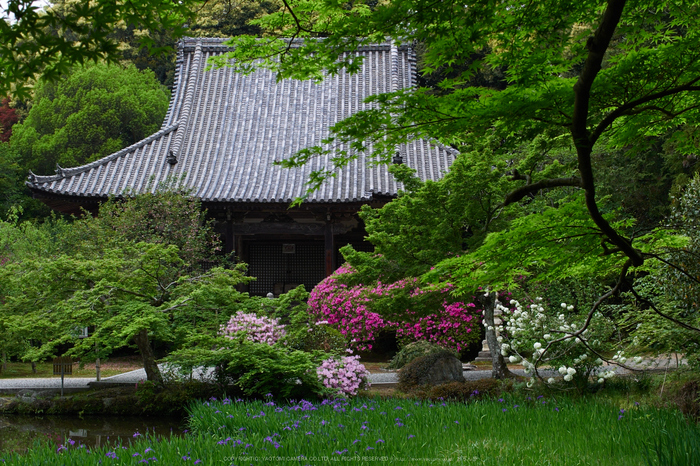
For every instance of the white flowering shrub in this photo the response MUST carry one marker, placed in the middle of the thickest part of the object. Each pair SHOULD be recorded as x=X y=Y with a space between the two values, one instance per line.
x=534 y=337
x=257 y=329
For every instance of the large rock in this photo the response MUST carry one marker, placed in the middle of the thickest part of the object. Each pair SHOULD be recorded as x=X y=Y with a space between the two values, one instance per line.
x=433 y=369
x=445 y=369
x=412 y=351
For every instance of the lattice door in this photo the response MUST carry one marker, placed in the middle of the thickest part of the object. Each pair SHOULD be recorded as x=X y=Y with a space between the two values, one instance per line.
x=276 y=271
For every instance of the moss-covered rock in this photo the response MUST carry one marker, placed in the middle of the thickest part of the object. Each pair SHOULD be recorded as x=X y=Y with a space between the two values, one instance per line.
x=433 y=369
x=413 y=351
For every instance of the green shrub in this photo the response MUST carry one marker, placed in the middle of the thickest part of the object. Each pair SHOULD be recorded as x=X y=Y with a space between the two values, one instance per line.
x=416 y=372
x=412 y=351
x=255 y=369
x=285 y=369
x=318 y=338
x=302 y=332
x=687 y=398
x=258 y=369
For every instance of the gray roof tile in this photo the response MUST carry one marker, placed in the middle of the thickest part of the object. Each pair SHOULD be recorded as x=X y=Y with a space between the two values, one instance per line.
x=226 y=129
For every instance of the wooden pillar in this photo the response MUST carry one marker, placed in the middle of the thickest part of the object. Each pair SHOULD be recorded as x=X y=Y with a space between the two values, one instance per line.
x=230 y=238
x=240 y=253
x=330 y=249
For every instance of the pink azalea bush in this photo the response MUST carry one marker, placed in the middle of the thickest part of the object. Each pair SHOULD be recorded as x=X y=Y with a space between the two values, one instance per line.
x=450 y=328
x=346 y=375
x=359 y=312
x=257 y=329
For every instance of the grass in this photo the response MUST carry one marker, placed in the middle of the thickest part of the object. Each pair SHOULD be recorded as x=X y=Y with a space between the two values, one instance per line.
x=115 y=366
x=514 y=430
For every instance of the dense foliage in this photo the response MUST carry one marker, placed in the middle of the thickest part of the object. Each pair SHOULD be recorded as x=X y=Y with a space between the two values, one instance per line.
x=126 y=281
x=47 y=42
x=275 y=347
x=95 y=111
x=661 y=313
x=224 y=18
x=10 y=180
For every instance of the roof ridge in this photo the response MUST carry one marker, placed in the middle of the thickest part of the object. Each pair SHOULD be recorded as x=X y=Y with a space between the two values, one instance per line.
x=66 y=172
x=192 y=78
x=219 y=44
x=179 y=61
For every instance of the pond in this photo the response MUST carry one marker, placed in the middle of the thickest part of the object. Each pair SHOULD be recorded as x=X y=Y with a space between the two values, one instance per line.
x=18 y=433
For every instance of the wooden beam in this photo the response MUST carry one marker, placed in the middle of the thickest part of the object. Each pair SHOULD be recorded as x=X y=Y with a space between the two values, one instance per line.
x=270 y=228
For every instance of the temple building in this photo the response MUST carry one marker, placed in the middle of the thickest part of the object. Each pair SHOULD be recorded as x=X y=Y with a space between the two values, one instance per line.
x=222 y=133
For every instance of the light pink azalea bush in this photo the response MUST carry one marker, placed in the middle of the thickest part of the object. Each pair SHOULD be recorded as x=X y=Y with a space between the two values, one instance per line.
x=257 y=329
x=346 y=375
x=421 y=313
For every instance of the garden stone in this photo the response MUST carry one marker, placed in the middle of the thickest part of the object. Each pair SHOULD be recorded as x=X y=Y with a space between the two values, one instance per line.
x=446 y=369
x=433 y=369
x=46 y=393
x=26 y=396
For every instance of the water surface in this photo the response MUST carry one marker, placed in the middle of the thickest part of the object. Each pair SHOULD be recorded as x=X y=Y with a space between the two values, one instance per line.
x=17 y=433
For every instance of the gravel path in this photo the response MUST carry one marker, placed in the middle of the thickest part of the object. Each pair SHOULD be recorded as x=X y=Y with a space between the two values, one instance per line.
x=135 y=376
x=139 y=374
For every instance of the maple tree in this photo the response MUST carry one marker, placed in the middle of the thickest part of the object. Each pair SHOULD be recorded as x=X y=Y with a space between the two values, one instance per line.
x=582 y=81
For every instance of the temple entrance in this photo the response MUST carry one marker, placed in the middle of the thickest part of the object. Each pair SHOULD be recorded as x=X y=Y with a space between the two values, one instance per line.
x=280 y=266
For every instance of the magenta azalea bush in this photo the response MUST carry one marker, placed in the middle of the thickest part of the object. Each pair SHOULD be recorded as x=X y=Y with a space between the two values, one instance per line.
x=414 y=312
x=346 y=375
x=257 y=329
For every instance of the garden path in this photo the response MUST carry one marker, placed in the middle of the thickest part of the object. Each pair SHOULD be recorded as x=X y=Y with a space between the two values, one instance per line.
x=74 y=384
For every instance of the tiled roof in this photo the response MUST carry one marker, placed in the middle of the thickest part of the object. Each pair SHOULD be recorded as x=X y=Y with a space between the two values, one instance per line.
x=226 y=129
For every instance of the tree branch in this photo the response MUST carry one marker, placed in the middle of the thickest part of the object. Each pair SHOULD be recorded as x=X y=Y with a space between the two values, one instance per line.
x=626 y=108
x=521 y=192
x=672 y=265
x=296 y=20
x=123 y=290
x=594 y=308
x=176 y=306
x=665 y=316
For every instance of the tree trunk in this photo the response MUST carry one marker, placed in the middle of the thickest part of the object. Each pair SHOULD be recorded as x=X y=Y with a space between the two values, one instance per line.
x=97 y=363
x=149 y=359
x=33 y=367
x=4 y=361
x=500 y=369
